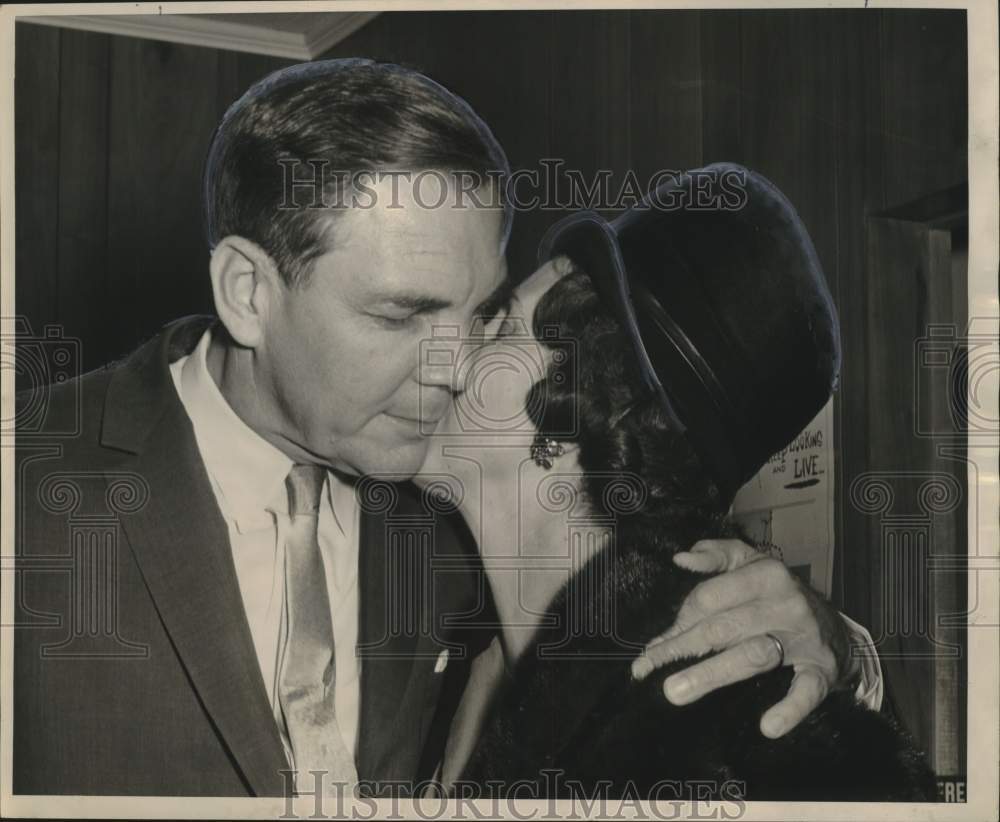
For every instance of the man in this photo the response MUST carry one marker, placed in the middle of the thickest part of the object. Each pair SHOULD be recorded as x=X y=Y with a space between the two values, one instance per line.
x=254 y=614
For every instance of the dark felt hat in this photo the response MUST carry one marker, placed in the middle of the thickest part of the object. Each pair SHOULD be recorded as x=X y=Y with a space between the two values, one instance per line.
x=717 y=283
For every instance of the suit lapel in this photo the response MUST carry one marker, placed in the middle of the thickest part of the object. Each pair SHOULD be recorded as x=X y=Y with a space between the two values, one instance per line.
x=390 y=720
x=182 y=547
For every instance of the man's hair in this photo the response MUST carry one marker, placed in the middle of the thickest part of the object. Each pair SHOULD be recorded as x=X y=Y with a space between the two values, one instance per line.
x=589 y=390
x=356 y=116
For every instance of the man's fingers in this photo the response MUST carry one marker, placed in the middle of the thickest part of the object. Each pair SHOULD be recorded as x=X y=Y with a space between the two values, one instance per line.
x=713 y=556
x=727 y=591
x=709 y=560
x=751 y=657
x=714 y=633
x=809 y=687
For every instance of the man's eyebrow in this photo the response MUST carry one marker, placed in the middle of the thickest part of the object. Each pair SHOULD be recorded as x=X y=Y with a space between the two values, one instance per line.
x=422 y=303
x=415 y=302
x=498 y=299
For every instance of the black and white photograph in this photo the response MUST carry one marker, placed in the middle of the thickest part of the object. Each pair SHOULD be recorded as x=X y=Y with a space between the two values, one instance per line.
x=474 y=410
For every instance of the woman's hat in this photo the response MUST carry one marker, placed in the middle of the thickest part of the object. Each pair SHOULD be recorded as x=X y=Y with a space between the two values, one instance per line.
x=717 y=283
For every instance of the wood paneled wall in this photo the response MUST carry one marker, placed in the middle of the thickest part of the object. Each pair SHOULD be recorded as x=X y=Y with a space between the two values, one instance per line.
x=850 y=112
x=110 y=138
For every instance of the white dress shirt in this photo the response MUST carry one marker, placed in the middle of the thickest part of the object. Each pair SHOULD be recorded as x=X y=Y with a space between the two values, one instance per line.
x=871 y=688
x=248 y=474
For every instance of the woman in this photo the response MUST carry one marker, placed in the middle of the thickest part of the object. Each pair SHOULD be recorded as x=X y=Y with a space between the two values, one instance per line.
x=643 y=374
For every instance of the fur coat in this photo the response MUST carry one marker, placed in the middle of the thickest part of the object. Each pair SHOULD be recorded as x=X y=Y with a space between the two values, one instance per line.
x=572 y=721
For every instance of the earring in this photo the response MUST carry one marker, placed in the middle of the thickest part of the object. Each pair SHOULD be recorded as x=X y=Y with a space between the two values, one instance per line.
x=546 y=449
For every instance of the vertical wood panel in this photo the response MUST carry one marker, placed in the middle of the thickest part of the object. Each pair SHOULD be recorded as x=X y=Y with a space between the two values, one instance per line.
x=590 y=117
x=921 y=669
x=950 y=537
x=425 y=41
x=163 y=112
x=856 y=109
x=924 y=65
x=511 y=93
x=787 y=130
x=83 y=191
x=897 y=250
x=722 y=89
x=666 y=91
x=514 y=102
x=36 y=172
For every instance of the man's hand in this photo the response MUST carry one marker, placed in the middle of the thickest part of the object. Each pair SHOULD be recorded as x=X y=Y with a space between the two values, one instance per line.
x=732 y=613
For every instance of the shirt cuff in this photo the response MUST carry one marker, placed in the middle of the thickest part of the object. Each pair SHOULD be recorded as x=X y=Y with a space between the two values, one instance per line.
x=870 y=689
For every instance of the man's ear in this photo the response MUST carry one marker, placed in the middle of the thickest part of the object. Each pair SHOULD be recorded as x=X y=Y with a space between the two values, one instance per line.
x=243 y=282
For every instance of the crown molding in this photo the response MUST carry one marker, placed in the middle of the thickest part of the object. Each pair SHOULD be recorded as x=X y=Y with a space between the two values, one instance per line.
x=322 y=38
x=197 y=30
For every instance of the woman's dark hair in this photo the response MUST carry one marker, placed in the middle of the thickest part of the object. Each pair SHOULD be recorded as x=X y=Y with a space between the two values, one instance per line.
x=621 y=430
x=334 y=120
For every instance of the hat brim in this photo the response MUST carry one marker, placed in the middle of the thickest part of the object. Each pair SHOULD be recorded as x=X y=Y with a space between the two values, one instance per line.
x=592 y=244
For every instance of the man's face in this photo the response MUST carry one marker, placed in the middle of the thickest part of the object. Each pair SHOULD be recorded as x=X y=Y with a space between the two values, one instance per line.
x=340 y=357
x=488 y=431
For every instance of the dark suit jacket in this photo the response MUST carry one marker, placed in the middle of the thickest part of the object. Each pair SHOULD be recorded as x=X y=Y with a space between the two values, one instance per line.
x=573 y=722
x=134 y=668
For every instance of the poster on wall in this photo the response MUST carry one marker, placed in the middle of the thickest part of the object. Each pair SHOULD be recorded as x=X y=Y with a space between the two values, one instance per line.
x=787 y=508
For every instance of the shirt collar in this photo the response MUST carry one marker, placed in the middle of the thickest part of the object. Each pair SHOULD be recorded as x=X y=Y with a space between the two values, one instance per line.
x=248 y=471
x=344 y=502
